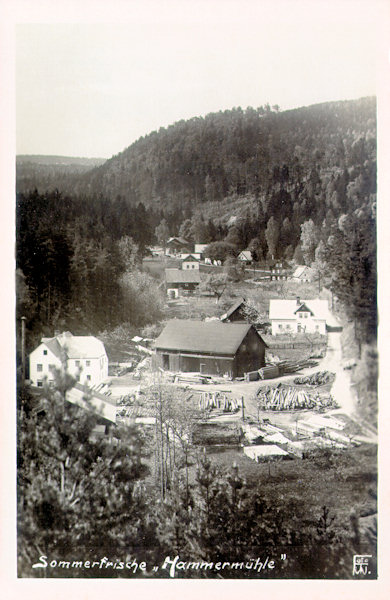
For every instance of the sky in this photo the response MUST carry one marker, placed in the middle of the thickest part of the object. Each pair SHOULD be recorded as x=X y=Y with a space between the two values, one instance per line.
x=90 y=83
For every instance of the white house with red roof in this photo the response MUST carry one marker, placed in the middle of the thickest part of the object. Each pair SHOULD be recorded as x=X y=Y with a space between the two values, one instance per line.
x=299 y=316
x=84 y=357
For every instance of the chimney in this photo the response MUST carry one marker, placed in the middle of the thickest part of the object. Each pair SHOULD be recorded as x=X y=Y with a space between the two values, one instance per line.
x=298 y=300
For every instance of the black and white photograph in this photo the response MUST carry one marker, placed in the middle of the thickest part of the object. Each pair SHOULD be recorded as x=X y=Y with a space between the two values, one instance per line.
x=195 y=265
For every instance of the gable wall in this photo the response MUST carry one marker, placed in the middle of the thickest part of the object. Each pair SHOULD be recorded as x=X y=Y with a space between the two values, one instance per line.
x=250 y=355
x=40 y=365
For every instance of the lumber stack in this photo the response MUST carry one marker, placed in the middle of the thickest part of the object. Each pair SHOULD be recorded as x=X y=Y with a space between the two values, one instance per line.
x=318 y=378
x=289 y=366
x=290 y=398
x=252 y=376
x=269 y=372
x=210 y=400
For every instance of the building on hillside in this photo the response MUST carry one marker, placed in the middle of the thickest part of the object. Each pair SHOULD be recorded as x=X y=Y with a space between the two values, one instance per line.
x=84 y=357
x=209 y=347
x=236 y=313
x=156 y=250
x=177 y=245
x=179 y=281
x=302 y=274
x=246 y=257
x=298 y=316
x=279 y=271
x=200 y=249
x=190 y=261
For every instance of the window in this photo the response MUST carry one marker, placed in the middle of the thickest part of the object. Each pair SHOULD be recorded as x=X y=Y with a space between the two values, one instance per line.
x=45 y=353
x=280 y=326
x=306 y=315
x=88 y=378
x=40 y=383
x=88 y=363
x=39 y=368
x=288 y=326
x=77 y=363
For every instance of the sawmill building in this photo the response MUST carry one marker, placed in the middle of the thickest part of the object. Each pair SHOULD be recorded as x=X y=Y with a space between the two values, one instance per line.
x=209 y=347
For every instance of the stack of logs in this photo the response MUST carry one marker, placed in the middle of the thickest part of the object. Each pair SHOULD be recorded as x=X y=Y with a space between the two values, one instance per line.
x=290 y=398
x=210 y=400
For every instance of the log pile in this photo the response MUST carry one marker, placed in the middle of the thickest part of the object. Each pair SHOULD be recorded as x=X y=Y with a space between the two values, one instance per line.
x=318 y=378
x=288 y=366
x=290 y=398
x=210 y=400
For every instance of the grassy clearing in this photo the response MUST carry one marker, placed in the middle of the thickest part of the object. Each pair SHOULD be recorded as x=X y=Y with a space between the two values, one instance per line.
x=193 y=307
x=155 y=266
x=200 y=307
x=340 y=480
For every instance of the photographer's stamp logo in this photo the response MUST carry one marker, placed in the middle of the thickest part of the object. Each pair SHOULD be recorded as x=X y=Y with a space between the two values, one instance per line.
x=361 y=564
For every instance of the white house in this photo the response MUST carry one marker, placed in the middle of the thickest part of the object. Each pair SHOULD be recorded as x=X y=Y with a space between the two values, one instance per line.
x=190 y=261
x=200 y=249
x=298 y=316
x=302 y=273
x=84 y=356
x=245 y=256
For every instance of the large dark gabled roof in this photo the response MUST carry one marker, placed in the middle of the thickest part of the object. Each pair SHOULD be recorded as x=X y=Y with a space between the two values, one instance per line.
x=202 y=336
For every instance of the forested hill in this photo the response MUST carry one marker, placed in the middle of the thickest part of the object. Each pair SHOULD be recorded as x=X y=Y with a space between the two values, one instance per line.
x=50 y=172
x=238 y=152
x=234 y=153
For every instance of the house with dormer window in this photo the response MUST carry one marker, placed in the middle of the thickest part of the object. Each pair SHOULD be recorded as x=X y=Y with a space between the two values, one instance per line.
x=298 y=316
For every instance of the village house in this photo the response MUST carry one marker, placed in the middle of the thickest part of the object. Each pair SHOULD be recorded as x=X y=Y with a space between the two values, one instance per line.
x=179 y=281
x=177 y=245
x=84 y=357
x=209 y=347
x=200 y=249
x=236 y=313
x=246 y=257
x=298 y=316
x=302 y=274
x=190 y=261
x=279 y=271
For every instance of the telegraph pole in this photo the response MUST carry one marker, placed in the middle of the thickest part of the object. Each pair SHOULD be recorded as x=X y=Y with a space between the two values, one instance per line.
x=23 y=319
